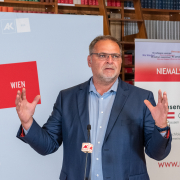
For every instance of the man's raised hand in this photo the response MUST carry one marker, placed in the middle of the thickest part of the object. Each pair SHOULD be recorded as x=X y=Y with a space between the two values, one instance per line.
x=25 y=109
x=159 y=112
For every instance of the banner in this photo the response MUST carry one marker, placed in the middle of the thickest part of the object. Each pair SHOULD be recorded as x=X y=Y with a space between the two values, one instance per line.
x=157 y=66
x=44 y=53
x=17 y=76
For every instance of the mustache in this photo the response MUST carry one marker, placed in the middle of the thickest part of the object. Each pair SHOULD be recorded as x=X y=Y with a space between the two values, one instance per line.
x=109 y=66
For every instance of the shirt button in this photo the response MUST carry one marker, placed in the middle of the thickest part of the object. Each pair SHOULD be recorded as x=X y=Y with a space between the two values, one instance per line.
x=101 y=111
x=97 y=159
x=97 y=175
x=100 y=126
x=99 y=142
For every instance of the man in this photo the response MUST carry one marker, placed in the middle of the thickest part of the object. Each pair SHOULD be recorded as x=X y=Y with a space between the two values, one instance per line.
x=122 y=125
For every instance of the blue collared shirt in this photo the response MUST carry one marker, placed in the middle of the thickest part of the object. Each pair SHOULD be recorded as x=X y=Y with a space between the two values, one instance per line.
x=99 y=113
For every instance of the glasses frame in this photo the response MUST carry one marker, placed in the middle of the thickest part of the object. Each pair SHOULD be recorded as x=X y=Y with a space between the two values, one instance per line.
x=107 y=54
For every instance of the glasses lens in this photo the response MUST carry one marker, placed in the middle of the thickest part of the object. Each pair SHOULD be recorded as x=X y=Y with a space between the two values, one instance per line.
x=115 y=56
x=102 y=56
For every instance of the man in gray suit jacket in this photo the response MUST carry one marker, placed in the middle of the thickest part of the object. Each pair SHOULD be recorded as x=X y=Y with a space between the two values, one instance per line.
x=124 y=120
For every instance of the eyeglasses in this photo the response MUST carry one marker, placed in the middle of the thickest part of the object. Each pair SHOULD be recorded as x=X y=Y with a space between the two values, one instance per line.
x=105 y=56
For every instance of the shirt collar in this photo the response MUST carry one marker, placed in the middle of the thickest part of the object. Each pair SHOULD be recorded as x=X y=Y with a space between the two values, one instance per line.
x=113 y=87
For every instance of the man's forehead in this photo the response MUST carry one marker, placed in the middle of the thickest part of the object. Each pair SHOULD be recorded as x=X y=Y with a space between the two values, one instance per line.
x=107 y=45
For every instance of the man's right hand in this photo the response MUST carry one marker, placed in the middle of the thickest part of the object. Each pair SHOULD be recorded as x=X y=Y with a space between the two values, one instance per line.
x=25 y=109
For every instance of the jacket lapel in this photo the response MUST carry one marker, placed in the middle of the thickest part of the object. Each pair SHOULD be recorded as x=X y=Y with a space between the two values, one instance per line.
x=119 y=102
x=82 y=99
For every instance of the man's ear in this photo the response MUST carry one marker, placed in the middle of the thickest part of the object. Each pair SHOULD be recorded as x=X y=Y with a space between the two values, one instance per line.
x=89 y=61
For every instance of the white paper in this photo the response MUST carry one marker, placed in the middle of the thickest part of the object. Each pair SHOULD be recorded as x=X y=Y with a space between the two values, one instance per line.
x=23 y=25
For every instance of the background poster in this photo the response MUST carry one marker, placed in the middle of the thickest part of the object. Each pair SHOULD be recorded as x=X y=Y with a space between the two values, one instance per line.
x=44 y=53
x=157 y=66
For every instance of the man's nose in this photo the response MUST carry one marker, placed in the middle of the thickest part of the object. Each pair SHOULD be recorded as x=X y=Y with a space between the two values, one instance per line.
x=109 y=59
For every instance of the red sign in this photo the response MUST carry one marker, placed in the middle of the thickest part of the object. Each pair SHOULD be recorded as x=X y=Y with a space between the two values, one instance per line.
x=14 y=77
x=158 y=73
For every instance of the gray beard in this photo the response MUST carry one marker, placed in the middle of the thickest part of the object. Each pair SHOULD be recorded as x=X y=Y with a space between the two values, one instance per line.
x=107 y=80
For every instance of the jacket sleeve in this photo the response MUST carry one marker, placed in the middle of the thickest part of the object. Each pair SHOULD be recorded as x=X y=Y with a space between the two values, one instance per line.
x=47 y=139
x=156 y=146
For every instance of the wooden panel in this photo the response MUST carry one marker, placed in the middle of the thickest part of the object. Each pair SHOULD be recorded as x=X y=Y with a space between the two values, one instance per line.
x=156 y=17
x=126 y=20
x=111 y=7
x=78 y=10
x=103 y=12
x=125 y=42
x=26 y=7
x=150 y=16
x=123 y=47
x=138 y=14
x=55 y=10
x=131 y=37
x=122 y=24
x=28 y=2
x=175 y=17
x=129 y=66
x=86 y=6
x=160 y=11
x=154 y=11
x=49 y=9
x=127 y=0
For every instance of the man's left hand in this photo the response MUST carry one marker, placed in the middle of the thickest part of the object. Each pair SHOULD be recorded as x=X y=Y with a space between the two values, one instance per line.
x=159 y=112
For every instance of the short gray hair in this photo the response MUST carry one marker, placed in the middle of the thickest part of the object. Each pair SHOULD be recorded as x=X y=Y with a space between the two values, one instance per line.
x=99 y=38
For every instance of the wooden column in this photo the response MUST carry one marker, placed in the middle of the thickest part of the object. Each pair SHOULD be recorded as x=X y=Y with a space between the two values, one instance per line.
x=103 y=12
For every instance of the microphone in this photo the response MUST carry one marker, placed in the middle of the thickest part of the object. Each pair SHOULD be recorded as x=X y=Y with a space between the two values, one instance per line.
x=87 y=148
x=88 y=128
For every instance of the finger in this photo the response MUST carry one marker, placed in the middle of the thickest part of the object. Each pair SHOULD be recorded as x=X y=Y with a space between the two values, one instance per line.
x=18 y=97
x=36 y=100
x=159 y=96
x=149 y=105
x=23 y=94
x=165 y=102
x=19 y=93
